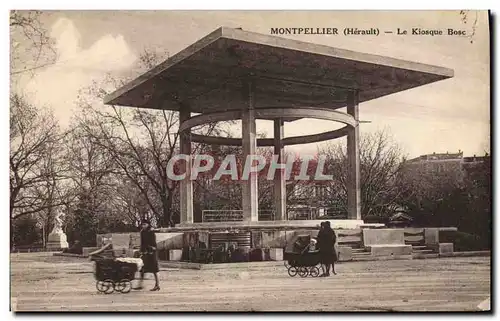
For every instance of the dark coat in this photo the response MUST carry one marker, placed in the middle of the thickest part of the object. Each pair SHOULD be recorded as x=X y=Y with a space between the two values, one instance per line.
x=326 y=244
x=149 y=256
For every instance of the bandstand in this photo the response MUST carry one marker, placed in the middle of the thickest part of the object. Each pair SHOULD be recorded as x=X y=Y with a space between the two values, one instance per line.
x=233 y=74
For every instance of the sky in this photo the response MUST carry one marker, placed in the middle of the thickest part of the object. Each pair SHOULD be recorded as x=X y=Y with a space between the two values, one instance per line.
x=445 y=116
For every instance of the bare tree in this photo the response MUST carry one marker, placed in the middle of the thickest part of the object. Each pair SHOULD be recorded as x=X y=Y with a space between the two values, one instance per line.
x=51 y=191
x=140 y=142
x=90 y=170
x=35 y=166
x=380 y=162
x=36 y=173
x=31 y=46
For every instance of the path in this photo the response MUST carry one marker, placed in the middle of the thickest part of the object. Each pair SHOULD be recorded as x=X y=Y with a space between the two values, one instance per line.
x=46 y=283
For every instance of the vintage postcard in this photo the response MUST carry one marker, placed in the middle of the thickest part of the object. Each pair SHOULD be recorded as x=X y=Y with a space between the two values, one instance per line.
x=334 y=161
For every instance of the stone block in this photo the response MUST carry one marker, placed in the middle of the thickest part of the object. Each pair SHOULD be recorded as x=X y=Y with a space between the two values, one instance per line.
x=414 y=235
x=57 y=241
x=344 y=253
x=276 y=254
x=431 y=236
x=103 y=239
x=122 y=252
x=445 y=248
x=190 y=239
x=390 y=250
x=175 y=255
x=257 y=239
x=336 y=224
x=349 y=236
x=202 y=237
x=274 y=239
x=169 y=241
x=120 y=240
x=87 y=250
x=135 y=240
x=133 y=253
x=266 y=255
x=383 y=236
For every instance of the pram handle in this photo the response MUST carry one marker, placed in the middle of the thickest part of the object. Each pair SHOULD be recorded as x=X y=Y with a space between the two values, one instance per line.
x=99 y=251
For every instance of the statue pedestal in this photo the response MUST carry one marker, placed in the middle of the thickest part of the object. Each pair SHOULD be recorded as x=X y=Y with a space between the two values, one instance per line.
x=57 y=241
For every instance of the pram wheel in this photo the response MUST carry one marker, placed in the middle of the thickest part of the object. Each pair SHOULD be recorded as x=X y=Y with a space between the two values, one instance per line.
x=111 y=286
x=106 y=286
x=292 y=271
x=124 y=286
x=303 y=272
x=314 y=271
x=101 y=286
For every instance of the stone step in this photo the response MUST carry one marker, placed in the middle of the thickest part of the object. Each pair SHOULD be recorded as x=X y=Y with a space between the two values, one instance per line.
x=382 y=258
x=364 y=253
x=423 y=251
x=425 y=255
x=353 y=245
x=415 y=243
x=359 y=252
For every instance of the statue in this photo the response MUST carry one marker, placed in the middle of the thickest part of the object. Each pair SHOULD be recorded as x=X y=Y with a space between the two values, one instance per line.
x=57 y=238
x=57 y=223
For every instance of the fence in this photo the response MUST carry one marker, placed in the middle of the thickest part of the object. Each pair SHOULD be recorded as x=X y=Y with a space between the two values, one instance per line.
x=27 y=249
x=297 y=213
x=232 y=215
x=301 y=213
x=336 y=213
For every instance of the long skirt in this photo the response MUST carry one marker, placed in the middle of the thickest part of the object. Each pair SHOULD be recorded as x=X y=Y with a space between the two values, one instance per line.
x=328 y=257
x=150 y=263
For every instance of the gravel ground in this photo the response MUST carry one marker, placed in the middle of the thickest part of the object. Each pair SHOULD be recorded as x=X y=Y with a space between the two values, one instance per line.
x=41 y=282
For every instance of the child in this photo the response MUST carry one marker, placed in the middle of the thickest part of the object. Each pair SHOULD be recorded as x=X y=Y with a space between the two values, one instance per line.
x=312 y=245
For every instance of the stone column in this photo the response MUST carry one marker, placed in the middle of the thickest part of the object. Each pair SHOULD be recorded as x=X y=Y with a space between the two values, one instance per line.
x=249 y=189
x=186 y=185
x=279 y=177
x=353 y=177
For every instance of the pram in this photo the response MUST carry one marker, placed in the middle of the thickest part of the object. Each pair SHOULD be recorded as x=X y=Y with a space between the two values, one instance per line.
x=113 y=274
x=300 y=260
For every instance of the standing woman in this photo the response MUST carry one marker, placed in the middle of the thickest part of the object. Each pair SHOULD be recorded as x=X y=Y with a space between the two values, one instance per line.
x=321 y=246
x=334 y=241
x=326 y=241
x=149 y=255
